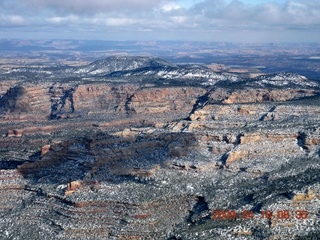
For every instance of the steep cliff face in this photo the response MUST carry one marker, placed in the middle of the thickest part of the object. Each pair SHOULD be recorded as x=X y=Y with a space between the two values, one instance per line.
x=101 y=98
x=25 y=103
x=5 y=86
x=165 y=100
x=266 y=95
x=67 y=100
x=100 y=158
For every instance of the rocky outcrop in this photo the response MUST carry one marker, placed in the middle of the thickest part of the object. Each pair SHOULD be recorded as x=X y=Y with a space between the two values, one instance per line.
x=101 y=98
x=5 y=86
x=15 y=133
x=45 y=149
x=25 y=103
x=69 y=101
x=266 y=95
x=164 y=100
x=262 y=137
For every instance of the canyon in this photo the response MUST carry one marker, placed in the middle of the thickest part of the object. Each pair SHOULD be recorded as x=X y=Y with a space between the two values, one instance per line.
x=141 y=148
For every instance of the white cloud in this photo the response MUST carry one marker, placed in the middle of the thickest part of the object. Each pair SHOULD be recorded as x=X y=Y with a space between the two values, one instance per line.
x=114 y=22
x=264 y=15
x=12 y=20
x=170 y=7
x=179 y=19
x=198 y=18
x=67 y=19
x=16 y=20
x=90 y=7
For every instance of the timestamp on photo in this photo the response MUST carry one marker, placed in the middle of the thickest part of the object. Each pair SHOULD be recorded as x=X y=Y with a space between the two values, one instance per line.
x=264 y=214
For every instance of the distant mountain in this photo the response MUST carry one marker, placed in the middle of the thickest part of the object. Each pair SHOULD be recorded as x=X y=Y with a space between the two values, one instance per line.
x=154 y=69
x=285 y=80
x=127 y=66
x=125 y=63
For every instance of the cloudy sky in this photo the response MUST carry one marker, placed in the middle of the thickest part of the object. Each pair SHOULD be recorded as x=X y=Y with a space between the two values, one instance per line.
x=194 y=20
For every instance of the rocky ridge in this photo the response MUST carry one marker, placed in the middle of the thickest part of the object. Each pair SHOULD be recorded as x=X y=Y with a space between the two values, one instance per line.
x=117 y=150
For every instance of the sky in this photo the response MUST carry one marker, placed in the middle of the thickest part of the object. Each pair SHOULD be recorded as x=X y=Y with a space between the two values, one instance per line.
x=145 y=20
